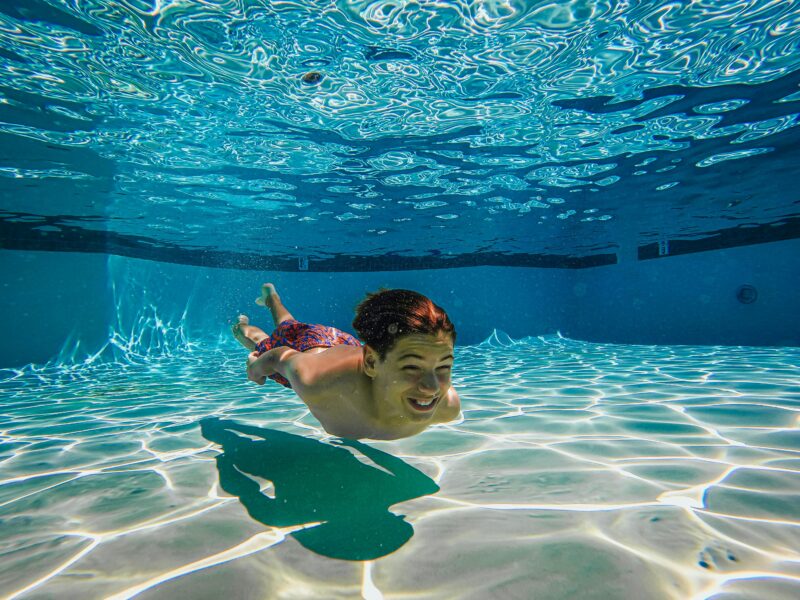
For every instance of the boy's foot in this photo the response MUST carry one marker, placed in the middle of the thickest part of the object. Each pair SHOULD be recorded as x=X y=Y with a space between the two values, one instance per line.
x=267 y=292
x=239 y=334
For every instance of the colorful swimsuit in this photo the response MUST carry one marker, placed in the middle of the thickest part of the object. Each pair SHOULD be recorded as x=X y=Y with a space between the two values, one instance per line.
x=301 y=337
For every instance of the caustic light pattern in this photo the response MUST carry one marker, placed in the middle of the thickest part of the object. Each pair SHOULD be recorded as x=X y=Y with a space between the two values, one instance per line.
x=624 y=471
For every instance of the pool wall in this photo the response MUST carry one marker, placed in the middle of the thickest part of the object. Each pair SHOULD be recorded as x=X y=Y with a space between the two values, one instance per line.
x=691 y=299
x=71 y=304
x=51 y=299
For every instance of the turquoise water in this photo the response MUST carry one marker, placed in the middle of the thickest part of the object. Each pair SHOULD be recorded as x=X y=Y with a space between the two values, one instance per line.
x=577 y=470
x=384 y=137
x=430 y=134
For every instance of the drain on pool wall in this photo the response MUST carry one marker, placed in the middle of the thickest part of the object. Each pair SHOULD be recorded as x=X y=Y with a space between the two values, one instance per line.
x=747 y=294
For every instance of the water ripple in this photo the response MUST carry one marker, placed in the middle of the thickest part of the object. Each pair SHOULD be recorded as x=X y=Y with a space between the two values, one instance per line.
x=658 y=472
x=397 y=97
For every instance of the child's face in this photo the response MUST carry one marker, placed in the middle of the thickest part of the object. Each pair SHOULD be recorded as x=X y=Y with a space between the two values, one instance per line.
x=415 y=376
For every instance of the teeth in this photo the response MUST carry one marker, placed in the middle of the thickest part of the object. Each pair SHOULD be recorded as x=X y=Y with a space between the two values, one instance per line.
x=421 y=403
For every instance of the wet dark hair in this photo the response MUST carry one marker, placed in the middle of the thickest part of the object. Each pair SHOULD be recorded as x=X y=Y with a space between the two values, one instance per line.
x=385 y=316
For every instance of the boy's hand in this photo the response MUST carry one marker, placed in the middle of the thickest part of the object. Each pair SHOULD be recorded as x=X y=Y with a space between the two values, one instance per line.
x=254 y=372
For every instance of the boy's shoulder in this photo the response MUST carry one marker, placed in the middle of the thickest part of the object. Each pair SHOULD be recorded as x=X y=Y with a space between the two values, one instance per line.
x=334 y=388
x=451 y=407
x=318 y=371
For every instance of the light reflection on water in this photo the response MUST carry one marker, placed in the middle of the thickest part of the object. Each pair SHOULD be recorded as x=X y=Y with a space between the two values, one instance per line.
x=486 y=109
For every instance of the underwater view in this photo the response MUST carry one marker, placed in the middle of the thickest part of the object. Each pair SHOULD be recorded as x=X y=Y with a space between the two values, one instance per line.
x=392 y=299
x=577 y=470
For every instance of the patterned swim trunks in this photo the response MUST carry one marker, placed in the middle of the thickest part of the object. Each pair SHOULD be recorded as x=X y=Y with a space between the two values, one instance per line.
x=301 y=337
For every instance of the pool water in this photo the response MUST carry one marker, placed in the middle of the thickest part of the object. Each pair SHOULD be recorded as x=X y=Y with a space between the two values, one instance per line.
x=578 y=470
x=381 y=134
x=596 y=144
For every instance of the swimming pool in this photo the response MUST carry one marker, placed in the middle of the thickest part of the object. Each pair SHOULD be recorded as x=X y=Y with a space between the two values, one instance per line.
x=601 y=194
x=577 y=470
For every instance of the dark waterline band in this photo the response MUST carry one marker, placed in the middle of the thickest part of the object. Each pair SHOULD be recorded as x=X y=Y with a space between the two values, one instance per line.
x=51 y=234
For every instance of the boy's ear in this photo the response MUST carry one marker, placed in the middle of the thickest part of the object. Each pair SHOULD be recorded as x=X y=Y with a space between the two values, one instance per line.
x=370 y=361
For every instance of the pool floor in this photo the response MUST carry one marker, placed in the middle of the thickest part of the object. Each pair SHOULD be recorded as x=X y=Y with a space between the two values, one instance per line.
x=578 y=471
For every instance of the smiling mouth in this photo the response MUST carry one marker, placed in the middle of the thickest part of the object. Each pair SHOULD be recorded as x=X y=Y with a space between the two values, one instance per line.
x=419 y=406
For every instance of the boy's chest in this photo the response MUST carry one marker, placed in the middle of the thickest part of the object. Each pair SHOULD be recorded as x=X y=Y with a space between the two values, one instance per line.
x=342 y=407
x=337 y=402
x=343 y=420
x=356 y=425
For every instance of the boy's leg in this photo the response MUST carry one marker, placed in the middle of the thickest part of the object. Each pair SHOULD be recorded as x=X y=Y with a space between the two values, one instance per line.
x=270 y=299
x=248 y=335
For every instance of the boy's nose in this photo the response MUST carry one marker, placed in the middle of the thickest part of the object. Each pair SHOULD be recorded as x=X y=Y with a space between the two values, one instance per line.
x=429 y=382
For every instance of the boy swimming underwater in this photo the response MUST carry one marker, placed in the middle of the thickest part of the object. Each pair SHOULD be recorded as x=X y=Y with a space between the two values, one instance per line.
x=394 y=386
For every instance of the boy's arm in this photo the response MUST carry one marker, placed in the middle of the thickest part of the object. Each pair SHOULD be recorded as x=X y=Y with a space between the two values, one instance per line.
x=278 y=360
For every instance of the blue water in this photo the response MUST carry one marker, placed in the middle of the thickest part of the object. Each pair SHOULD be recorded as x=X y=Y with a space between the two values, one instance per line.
x=576 y=470
x=382 y=138
x=479 y=132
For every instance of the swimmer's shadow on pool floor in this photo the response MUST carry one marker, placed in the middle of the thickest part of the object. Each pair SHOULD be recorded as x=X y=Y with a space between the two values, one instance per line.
x=316 y=481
